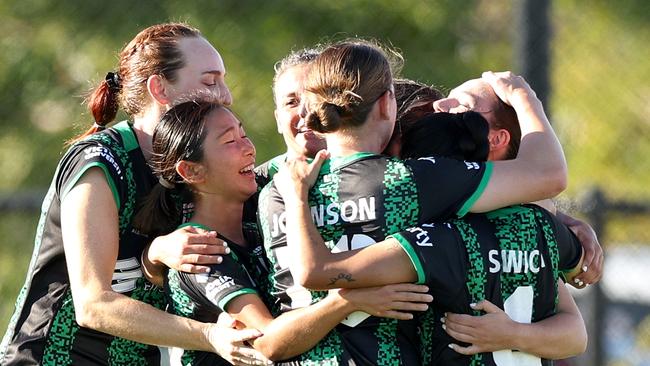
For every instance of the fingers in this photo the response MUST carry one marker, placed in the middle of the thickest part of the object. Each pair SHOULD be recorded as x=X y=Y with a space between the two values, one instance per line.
x=485 y=306
x=408 y=306
x=470 y=350
x=244 y=335
x=249 y=356
x=393 y=314
x=319 y=159
x=225 y=321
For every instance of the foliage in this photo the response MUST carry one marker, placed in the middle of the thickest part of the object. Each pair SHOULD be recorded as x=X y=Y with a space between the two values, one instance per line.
x=55 y=51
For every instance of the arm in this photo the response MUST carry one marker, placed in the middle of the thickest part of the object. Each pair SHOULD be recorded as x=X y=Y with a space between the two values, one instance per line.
x=313 y=265
x=91 y=241
x=532 y=176
x=297 y=331
x=188 y=249
x=593 y=258
x=559 y=336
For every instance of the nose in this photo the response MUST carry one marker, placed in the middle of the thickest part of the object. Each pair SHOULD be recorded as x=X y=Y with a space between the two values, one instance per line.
x=249 y=147
x=224 y=95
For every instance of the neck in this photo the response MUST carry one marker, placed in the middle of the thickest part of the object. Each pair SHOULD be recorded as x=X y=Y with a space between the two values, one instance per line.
x=220 y=214
x=144 y=126
x=352 y=141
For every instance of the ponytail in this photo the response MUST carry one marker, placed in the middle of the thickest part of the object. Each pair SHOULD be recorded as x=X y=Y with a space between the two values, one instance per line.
x=103 y=104
x=160 y=213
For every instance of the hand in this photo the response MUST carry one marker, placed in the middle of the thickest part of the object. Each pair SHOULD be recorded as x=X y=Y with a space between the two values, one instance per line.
x=296 y=176
x=508 y=86
x=486 y=333
x=230 y=343
x=188 y=249
x=390 y=301
x=592 y=257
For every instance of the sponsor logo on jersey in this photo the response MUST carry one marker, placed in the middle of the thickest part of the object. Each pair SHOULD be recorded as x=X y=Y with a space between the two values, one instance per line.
x=219 y=284
x=95 y=151
x=362 y=209
x=428 y=158
x=515 y=261
x=126 y=274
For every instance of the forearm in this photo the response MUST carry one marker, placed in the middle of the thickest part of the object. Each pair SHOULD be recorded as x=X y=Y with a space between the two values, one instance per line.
x=537 y=136
x=153 y=271
x=308 y=246
x=121 y=316
x=560 y=336
x=297 y=331
x=556 y=337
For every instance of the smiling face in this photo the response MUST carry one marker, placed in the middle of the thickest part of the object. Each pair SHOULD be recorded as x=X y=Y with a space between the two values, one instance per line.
x=300 y=140
x=228 y=158
x=203 y=73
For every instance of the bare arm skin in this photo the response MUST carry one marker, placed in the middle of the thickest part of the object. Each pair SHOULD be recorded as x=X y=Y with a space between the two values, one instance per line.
x=386 y=262
x=296 y=331
x=532 y=176
x=593 y=258
x=91 y=241
x=560 y=336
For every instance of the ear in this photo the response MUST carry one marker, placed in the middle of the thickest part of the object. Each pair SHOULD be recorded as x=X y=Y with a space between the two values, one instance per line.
x=387 y=104
x=157 y=89
x=191 y=172
x=499 y=139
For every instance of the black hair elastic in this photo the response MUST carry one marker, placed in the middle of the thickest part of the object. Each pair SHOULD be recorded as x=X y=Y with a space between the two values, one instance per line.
x=113 y=80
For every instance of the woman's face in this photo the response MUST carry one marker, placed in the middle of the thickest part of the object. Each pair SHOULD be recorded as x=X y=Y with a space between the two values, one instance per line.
x=203 y=74
x=228 y=157
x=300 y=140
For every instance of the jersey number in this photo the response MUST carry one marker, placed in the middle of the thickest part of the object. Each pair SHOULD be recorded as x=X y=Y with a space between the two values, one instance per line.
x=519 y=307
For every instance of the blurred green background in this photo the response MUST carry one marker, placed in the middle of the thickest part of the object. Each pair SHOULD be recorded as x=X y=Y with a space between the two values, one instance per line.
x=53 y=52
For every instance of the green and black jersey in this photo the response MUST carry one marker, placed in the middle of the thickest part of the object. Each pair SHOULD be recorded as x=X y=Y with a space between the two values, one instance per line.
x=43 y=329
x=204 y=296
x=357 y=201
x=511 y=257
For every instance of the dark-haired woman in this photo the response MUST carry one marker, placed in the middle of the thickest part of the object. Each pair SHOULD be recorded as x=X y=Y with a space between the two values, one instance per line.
x=360 y=197
x=201 y=152
x=85 y=300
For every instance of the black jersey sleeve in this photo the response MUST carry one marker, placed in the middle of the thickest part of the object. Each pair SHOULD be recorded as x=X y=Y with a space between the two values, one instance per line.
x=225 y=282
x=448 y=187
x=85 y=155
x=437 y=255
x=568 y=245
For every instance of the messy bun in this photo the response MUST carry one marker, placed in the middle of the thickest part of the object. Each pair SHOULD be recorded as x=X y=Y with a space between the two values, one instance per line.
x=343 y=84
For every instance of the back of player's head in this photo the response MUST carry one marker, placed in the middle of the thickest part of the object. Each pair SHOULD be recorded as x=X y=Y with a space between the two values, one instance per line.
x=462 y=136
x=345 y=81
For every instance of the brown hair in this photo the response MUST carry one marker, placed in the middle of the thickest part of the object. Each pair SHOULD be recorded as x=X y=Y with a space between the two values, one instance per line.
x=346 y=79
x=505 y=118
x=154 y=51
x=295 y=58
x=179 y=136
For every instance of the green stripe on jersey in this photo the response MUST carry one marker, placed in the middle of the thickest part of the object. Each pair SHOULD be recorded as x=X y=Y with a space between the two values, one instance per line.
x=415 y=260
x=478 y=192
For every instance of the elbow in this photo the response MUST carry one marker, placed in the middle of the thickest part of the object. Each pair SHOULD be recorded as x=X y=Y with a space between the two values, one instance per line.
x=555 y=182
x=88 y=311
x=306 y=278
x=273 y=352
x=86 y=314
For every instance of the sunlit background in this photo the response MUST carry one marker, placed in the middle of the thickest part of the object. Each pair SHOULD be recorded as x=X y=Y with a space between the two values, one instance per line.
x=597 y=95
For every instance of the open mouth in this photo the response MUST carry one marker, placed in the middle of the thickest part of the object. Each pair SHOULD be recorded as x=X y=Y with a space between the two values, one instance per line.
x=247 y=170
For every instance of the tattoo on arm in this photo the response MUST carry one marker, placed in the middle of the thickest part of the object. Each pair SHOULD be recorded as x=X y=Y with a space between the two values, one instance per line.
x=341 y=276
